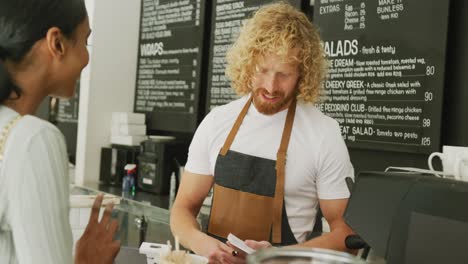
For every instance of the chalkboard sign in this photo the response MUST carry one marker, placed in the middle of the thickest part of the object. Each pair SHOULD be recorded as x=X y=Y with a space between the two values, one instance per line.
x=169 y=63
x=386 y=72
x=308 y=9
x=67 y=109
x=227 y=19
x=66 y=119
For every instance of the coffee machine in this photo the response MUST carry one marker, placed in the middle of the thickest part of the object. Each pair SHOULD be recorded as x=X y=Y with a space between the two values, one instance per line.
x=159 y=158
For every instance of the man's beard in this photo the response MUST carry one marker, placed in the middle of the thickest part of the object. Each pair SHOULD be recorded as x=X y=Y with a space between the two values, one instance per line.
x=269 y=108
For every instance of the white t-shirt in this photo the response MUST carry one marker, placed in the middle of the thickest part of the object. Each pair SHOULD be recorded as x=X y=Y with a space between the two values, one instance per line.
x=317 y=158
x=34 y=193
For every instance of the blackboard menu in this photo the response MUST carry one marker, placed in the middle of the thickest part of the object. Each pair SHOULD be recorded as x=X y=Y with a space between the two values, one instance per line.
x=227 y=19
x=67 y=109
x=66 y=119
x=169 y=63
x=386 y=75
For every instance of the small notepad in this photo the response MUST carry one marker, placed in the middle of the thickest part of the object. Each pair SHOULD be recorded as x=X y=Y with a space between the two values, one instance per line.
x=238 y=243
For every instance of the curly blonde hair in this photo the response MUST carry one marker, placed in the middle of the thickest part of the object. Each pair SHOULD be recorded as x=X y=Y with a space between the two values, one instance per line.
x=278 y=28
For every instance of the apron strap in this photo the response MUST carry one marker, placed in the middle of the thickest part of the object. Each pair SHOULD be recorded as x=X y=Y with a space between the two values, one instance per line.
x=235 y=128
x=5 y=132
x=280 y=173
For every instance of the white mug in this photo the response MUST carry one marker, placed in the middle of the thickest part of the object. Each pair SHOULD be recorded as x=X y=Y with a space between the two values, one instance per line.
x=454 y=161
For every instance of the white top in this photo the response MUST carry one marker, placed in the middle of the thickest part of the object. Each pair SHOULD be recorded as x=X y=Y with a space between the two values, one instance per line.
x=317 y=158
x=34 y=194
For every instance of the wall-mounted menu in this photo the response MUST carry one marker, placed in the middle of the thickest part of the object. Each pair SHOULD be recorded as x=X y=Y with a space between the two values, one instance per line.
x=386 y=74
x=227 y=19
x=67 y=109
x=66 y=119
x=169 y=63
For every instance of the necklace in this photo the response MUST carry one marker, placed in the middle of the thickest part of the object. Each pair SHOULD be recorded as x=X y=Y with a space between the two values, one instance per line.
x=5 y=132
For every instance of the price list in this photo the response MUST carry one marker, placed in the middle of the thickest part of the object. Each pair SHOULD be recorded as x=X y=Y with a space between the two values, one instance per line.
x=169 y=62
x=67 y=109
x=386 y=71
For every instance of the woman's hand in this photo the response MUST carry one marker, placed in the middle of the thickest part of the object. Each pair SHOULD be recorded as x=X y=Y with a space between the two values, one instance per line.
x=97 y=244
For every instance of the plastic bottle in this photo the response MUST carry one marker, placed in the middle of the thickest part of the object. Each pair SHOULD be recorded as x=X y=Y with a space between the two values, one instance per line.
x=129 y=181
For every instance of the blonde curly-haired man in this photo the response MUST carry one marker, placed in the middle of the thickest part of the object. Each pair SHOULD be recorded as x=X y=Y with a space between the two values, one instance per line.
x=271 y=156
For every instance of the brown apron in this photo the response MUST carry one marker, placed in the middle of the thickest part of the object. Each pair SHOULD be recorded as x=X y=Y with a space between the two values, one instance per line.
x=248 y=194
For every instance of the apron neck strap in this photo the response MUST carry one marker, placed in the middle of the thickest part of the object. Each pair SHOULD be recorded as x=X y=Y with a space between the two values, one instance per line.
x=280 y=174
x=235 y=128
x=284 y=138
x=283 y=149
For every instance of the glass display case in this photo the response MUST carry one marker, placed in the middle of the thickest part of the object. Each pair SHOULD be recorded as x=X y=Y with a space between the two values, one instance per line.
x=142 y=217
x=138 y=221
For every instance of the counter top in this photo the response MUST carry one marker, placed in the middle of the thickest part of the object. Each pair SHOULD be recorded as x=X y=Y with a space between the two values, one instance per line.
x=138 y=221
x=143 y=217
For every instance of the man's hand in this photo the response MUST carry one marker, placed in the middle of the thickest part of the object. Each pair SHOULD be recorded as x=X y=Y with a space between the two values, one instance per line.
x=240 y=256
x=97 y=244
x=216 y=251
x=257 y=245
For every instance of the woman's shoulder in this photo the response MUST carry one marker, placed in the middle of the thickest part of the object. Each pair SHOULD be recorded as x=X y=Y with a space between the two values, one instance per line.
x=28 y=125
x=31 y=130
x=33 y=126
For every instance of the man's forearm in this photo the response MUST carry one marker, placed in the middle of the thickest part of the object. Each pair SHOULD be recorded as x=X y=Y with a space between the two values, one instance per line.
x=185 y=226
x=334 y=240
